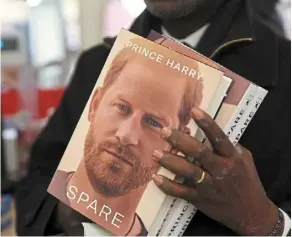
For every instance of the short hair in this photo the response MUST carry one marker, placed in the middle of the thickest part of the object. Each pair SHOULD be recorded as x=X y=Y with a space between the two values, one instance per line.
x=192 y=97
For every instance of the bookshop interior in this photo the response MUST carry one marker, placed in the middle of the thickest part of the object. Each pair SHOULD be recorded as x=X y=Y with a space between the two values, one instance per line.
x=40 y=43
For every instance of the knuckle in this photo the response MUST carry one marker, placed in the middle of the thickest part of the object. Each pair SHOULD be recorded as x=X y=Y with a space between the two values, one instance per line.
x=193 y=195
x=164 y=159
x=209 y=181
x=220 y=138
x=226 y=170
x=175 y=138
x=167 y=189
x=202 y=152
x=179 y=191
x=239 y=162
x=242 y=150
x=188 y=195
x=248 y=153
x=235 y=163
x=192 y=175
x=239 y=149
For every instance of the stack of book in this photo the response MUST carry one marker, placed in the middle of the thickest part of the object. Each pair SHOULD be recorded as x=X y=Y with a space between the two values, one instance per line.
x=146 y=84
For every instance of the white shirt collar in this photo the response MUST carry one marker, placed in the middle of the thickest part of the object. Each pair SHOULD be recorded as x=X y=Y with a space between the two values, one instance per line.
x=193 y=39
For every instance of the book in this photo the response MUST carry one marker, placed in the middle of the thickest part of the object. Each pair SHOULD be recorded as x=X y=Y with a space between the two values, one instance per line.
x=106 y=170
x=238 y=108
x=248 y=115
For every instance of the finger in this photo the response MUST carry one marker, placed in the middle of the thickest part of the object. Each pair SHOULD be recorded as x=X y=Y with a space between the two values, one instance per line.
x=190 y=147
x=179 y=166
x=218 y=139
x=239 y=149
x=183 y=142
x=174 y=189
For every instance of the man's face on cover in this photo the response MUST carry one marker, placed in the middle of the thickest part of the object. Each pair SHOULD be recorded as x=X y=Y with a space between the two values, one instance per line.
x=125 y=124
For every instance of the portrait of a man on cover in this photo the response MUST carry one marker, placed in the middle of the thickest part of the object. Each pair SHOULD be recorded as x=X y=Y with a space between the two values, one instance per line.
x=139 y=96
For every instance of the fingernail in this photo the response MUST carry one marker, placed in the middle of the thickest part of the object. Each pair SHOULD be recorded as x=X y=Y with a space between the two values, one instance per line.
x=165 y=132
x=197 y=113
x=157 y=155
x=157 y=179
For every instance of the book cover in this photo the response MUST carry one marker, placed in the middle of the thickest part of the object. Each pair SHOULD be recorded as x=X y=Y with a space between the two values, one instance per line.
x=106 y=170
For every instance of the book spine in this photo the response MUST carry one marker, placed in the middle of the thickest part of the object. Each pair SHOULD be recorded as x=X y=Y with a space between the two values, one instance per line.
x=246 y=119
x=240 y=110
x=217 y=101
x=183 y=225
x=162 y=226
x=175 y=217
x=180 y=219
x=178 y=227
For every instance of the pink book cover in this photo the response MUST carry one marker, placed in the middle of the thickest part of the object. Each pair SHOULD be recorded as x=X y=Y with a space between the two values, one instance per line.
x=106 y=170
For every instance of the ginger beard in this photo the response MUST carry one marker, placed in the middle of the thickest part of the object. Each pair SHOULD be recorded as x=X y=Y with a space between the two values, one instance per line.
x=109 y=176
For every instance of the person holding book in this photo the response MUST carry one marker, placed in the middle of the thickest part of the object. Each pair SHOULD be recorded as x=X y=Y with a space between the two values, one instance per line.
x=254 y=177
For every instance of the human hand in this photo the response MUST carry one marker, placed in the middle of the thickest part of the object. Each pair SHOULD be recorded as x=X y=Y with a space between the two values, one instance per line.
x=222 y=182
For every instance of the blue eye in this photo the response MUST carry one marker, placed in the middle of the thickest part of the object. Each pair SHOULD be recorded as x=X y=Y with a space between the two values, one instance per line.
x=123 y=108
x=152 y=122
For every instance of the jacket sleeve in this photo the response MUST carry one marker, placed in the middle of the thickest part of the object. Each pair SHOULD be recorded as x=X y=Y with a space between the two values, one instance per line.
x=285 y=156
x=282 y=188
x=34 y=206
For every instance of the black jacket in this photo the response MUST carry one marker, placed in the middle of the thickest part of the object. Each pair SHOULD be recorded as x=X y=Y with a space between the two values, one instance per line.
x=265 y=60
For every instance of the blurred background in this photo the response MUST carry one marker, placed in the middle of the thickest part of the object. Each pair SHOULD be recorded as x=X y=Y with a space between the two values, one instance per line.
x=40 y=43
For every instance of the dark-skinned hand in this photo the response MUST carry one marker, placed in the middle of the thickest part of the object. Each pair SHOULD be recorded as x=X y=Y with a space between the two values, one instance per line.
x=222 y=182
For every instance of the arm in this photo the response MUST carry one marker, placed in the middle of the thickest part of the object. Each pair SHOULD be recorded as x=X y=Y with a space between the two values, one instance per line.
x=36 y=209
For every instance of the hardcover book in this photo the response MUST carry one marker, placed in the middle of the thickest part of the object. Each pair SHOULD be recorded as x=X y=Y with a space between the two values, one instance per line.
x=106 y=170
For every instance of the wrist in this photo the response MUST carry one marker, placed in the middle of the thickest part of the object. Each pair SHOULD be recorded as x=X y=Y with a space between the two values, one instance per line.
x=268 y=223
x=278 y=229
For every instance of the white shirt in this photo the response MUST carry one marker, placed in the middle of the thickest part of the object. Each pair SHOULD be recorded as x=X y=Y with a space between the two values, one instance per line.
x=287 y=221
x=193 y=39
x=283 y=9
